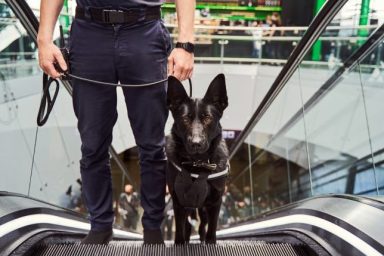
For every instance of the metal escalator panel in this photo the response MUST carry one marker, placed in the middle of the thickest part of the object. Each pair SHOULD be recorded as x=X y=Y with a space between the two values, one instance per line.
x=223 y=248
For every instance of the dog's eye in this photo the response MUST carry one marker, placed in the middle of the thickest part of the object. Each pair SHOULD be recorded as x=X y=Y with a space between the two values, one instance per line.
x=186 y=118
x=206 y=116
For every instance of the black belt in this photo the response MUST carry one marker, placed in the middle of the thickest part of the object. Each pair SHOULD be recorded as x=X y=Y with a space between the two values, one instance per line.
x=111 y=16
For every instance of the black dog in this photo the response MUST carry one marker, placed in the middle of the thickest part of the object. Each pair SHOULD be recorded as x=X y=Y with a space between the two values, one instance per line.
x=197 y=157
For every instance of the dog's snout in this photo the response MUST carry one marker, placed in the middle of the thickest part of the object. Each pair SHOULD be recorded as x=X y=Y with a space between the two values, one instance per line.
x=197 y=142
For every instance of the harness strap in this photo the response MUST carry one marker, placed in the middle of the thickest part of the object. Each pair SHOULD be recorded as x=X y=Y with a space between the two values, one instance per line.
x=210 y=177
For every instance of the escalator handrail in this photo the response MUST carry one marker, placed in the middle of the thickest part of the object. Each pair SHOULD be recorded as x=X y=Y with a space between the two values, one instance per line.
x=316 y=28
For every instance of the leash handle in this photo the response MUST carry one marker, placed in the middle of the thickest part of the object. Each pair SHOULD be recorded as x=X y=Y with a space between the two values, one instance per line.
x=47 y=102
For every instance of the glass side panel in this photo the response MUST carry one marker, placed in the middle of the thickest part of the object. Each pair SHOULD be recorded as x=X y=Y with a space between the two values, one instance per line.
x=57 y=155
x=39 y=162
x=273 y=170
x=371 y=80
x=338 y=135
x=19 y=82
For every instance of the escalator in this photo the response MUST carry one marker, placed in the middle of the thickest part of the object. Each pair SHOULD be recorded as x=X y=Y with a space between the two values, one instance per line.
x=319 y=225
x=324 y=225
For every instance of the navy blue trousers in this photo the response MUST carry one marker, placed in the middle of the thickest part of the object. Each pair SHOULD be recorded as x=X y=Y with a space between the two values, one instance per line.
x=131 y=54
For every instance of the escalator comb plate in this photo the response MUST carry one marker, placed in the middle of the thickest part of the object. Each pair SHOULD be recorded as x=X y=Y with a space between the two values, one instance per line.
x=222 y=248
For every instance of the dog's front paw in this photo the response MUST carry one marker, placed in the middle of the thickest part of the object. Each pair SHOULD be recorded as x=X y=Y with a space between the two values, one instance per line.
x=210 y=241
x=179 y=242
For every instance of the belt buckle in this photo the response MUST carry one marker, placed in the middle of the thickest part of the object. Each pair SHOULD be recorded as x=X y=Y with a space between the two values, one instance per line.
x=113 y=16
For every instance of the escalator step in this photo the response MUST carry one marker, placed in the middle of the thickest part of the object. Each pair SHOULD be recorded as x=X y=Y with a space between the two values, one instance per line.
x=222 y=248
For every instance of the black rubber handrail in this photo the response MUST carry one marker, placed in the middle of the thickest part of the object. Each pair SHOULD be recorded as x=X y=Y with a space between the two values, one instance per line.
x=31 y=24
x=316 y=28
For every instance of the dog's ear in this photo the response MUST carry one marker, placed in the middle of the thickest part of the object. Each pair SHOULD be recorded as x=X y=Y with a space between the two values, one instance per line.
x=217 y=93
x=176 y=94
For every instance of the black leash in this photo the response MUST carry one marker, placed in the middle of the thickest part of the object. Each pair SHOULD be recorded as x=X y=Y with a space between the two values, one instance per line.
x=47 y=102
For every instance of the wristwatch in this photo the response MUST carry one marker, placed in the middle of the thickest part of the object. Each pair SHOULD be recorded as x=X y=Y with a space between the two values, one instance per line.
x=189 y=47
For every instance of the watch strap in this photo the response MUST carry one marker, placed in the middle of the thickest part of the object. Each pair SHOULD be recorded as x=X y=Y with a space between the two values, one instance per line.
x=189 y=47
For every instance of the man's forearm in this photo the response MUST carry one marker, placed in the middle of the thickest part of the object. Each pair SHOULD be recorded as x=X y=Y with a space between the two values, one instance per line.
x=185 y=17
x=49 y=12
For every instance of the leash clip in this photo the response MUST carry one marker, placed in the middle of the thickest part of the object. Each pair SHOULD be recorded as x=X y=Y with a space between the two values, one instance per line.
x=200 y=163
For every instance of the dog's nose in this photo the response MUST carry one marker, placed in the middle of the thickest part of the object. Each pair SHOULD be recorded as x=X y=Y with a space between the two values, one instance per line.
x=197 y=143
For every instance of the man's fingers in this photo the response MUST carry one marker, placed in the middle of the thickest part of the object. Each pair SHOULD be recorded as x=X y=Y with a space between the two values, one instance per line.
x=60 y=59
x=181 y=71
x=176 y=73
x=171 y=64
x=190 y=73
x=186 y=72
x=180 y=64
x=50 y=69
x=49 y=54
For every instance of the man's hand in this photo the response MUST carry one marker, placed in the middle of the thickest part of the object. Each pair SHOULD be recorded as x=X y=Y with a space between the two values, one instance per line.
x=49 y=54
x=180 y=64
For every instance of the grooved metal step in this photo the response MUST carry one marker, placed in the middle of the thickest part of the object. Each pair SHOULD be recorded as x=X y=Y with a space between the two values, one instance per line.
x=222 y=248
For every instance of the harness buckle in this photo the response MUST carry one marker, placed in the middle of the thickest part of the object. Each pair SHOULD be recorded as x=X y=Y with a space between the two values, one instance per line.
x=201 y=164
x=113 y=16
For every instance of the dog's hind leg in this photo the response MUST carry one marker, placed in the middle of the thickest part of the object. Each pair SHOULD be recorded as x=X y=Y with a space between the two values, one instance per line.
x=180 y=219
x=188 y=225
x=188 y=230
x=213 y=216
x=203 y=223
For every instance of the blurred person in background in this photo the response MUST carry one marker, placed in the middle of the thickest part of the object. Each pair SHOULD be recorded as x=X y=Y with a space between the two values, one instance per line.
x=72 y=198
x=128 y=207
x=267 y=33
x=272 y=46
x=245 y=206
x=257 y=35
x=227 y=210
x=276 y=45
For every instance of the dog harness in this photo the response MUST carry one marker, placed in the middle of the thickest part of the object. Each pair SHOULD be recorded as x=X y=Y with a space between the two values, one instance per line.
x=192 y=193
